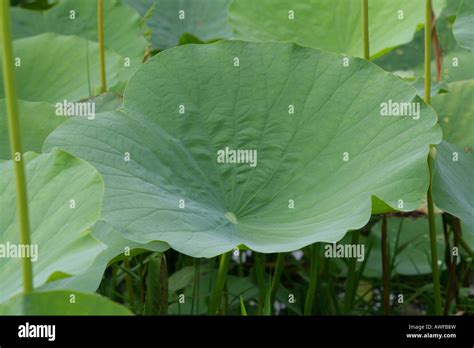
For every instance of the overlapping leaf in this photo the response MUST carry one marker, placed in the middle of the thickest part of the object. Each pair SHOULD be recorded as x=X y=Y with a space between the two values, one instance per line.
x=408 y=60
x=173 y=189
x=51 y=68
x=170 y=19
x=65 y=196
x=332 y=25
x=61 y=303
x=464 y=26
x=122 y=26
x=37 y=120
x=453 y=188
x=456 y=113
x=117 y=247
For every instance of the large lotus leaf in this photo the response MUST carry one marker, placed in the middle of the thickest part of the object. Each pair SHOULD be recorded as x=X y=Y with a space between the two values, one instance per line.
x=53 y=67
x=61 y=303
x=173 y=189
x=122 y=25
x=37 y=121
x=408 y=60
x=453 y=189
x=170 y=19
x=58 y=225
x=463 y=28
x=454 y=164
x=117 y=246
x=332 y=25
x=456 y=113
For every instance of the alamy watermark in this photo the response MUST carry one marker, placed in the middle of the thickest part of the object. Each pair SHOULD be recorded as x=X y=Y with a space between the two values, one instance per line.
x=393 y=108
x=76 y=109
x=335 y=250
x=28 y=330
x=10 y=251
x=228 y=155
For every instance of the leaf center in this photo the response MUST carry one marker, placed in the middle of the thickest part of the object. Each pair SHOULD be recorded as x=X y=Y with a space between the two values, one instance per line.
x=231 y=217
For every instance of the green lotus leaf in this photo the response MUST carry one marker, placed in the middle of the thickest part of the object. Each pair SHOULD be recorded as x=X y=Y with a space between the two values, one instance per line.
x=454 y=163
x=37 y=120
x=61 y=303
x=107 y=102
x=122 y=26
x=408 y=59
x=463 y=28
x=205 y=20
x=451 y=8
x=51 y=68
x=452 y=182
x=456 y=111
x=117 y=247
x=332 y=25
x=65 y=197
x=320 y=148
x=436 y=88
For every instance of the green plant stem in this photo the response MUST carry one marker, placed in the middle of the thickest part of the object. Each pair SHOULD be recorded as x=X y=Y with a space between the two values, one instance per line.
x=15 y=141
x=129 y=283
x=215 y=300
x=431 y=217
x=365 y=27
x=243 y=311
x=351 y=277
x=313 y=278
x=280 y=261
x=427 y=62
x=452 y=286
x=437 y=49
x=241 y=265
x=385 y=270
x=100 y=30
x=447 y=244
x=260 y=270
x=195 y=300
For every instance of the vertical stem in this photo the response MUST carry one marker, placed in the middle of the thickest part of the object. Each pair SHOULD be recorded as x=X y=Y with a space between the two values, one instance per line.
x=437 y=48
x=351 y=277
x=447 y=243
x=241 y=265
x=197 y=271
x=100 y=30
x=15 y=141
x=431 y=217
x=427 y=62
x=225 y=295
x=260 y=270
x=215 y=300
x=308 y=305
x=143 y=270
x=386 y=293
x=277 y=276
x=452 y=286
x=365 y=27
x=129 y=283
